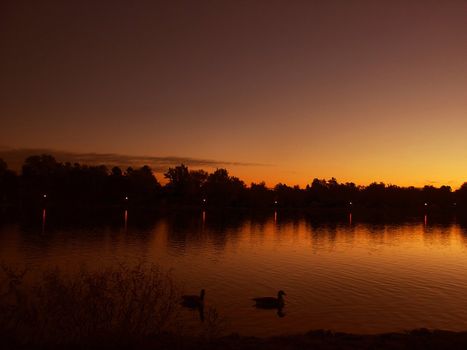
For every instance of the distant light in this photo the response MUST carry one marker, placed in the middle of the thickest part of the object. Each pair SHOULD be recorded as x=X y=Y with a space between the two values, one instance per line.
x=426 y=204
x=275 y=202
x=45 y=196
x=204 y=200
x=350 y=203
x=455 y=204
x=126 y=198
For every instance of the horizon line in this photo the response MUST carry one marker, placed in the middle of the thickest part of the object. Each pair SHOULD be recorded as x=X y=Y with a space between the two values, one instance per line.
x=160 y=164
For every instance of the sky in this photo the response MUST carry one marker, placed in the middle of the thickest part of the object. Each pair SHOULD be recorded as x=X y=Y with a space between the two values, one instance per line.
x=280 y=91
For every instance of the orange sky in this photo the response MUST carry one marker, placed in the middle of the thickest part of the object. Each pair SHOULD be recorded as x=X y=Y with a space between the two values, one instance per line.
x=360 y=90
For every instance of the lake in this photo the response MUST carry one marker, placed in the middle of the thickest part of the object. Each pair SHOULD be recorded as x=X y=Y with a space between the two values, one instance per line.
x=339 y=272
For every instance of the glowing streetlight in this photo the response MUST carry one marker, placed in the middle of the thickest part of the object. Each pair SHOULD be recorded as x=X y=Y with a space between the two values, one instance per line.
x=44 y=196
x=126 y=198
x=426 y=204
x=275 y=202
x=350 y=203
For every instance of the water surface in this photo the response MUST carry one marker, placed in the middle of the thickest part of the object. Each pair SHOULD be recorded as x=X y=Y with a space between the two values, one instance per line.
x=340 y=274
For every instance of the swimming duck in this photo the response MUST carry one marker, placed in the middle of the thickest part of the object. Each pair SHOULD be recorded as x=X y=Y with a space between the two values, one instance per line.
x=271 y=302
x=193 y=301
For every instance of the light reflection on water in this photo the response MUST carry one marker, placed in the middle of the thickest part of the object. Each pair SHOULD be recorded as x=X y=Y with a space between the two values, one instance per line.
x=341 y=275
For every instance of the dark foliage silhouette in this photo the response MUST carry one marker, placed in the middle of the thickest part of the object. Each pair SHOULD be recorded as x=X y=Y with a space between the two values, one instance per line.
x=45 y=181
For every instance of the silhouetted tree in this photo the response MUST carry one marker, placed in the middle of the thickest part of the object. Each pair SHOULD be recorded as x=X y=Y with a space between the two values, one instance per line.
x=260 y=195
x=3 y=167
x=96 y=186
x=178 y=177
x=185 y=186
x=143 y=185
x=287 y=196
x=461 y=196
x=39 y=177
x=222 y=189
x=8 y=185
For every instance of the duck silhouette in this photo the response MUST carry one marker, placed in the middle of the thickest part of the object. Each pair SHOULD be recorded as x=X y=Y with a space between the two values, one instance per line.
x=270 y=302
x=193 y=301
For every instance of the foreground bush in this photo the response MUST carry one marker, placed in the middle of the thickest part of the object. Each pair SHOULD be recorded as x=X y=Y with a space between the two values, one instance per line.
x=115 y=306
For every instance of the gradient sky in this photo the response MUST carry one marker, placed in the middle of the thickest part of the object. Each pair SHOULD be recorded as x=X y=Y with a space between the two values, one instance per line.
x=360 y=90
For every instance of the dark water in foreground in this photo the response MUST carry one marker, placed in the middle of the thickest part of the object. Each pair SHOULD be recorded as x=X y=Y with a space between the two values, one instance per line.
x=340 y=274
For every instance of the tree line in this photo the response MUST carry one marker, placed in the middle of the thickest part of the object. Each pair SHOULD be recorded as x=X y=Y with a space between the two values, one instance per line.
x=43 y=181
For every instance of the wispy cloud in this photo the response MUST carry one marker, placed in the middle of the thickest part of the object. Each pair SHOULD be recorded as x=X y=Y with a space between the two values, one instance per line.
x=16 y=157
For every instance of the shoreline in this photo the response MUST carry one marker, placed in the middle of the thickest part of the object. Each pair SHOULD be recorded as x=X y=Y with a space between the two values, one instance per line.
x=316 y=339
x=324 y=339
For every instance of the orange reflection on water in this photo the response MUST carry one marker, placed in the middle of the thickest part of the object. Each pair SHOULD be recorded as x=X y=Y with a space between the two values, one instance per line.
x=362 y=277
x=44 y=217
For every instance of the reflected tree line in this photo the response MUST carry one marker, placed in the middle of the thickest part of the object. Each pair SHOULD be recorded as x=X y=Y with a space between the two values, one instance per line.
x=44 y=180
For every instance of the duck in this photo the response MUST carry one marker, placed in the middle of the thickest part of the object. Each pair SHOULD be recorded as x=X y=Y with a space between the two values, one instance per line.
x=270 y=302
x=194 y=301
